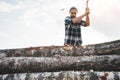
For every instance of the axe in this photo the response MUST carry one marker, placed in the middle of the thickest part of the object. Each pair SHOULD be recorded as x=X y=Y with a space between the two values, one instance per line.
x=87 y=3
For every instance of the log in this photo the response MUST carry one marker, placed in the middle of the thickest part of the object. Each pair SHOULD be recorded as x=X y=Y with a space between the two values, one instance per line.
x=108 y=48
x=59 y=63
x=62 y=75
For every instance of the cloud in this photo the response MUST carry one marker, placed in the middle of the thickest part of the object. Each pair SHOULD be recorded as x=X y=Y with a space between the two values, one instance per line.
x=92 y=36
x=105 y=17
x=41 y=22
x=7 y=7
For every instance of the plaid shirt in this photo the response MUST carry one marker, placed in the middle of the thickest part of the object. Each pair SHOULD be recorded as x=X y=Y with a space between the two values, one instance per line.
x=73 y=32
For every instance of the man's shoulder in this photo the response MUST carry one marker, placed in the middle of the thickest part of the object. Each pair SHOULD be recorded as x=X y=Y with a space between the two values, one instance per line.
x=68 y=20
x=67 y=17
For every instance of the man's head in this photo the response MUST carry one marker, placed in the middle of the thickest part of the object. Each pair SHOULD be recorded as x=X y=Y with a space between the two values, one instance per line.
x=73 y=11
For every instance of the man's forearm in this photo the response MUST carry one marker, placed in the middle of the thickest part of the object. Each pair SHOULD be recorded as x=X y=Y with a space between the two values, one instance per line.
x=87 y=20
x=78 y=19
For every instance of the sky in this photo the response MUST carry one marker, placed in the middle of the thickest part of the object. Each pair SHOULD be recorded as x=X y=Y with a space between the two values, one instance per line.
x=29 y=23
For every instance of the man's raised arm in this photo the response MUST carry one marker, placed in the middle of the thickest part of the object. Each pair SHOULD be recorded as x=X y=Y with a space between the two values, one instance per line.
x=78 y=19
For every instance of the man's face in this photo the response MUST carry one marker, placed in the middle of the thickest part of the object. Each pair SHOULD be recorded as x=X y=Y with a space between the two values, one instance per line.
x=73 y=13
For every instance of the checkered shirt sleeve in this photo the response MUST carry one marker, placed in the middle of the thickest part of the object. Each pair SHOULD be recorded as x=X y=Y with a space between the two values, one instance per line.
x=82 y=23
x=68 y=20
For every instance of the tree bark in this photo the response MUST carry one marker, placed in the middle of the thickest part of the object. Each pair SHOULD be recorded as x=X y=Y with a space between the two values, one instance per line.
x=63 y=75
x=59 y=63
x=107 y=48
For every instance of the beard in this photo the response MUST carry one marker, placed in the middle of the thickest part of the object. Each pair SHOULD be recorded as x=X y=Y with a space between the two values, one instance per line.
x=72 y=16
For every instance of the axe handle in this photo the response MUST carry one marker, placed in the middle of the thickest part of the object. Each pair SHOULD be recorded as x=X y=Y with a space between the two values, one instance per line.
x=87 y=3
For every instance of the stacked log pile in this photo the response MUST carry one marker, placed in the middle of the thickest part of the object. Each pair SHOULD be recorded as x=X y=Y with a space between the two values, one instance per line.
x=53 y=59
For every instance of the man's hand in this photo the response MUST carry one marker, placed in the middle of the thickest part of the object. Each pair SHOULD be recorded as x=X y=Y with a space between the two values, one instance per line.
x=87 y=11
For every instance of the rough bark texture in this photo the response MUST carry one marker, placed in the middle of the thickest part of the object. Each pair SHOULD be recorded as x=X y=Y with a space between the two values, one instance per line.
x=66 y=75
x=43 y=64
x=48 y=60
x=107 y=48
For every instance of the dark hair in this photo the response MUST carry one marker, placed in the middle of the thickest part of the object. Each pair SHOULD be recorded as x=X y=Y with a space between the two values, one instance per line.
x=72 y=9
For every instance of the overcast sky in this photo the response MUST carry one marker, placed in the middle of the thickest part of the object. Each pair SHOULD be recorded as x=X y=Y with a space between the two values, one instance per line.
x=26 y=23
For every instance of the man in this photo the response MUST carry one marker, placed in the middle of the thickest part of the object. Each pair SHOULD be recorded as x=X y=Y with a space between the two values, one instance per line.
x=73 y=27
